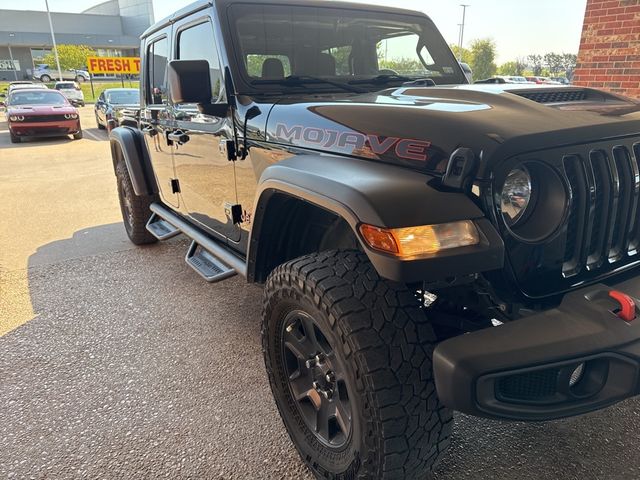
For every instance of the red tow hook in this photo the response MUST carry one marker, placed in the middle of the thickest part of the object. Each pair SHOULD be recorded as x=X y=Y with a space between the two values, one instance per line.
x=627 y=305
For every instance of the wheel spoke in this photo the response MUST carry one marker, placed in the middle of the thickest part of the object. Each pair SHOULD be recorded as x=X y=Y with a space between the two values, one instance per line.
x=310 y=333
x=325 y=412
x=300 y=384
x=343 y=417
x=296 y=347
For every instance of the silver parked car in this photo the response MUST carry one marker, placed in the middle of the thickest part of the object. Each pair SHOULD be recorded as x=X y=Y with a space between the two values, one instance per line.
x=46 y=74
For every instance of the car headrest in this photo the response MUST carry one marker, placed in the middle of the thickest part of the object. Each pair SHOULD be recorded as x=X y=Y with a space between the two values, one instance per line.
x=272 y=68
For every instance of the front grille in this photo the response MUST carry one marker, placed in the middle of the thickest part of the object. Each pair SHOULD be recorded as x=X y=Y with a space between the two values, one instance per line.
x=44 y=118
x=602 y=226
x=554 y=96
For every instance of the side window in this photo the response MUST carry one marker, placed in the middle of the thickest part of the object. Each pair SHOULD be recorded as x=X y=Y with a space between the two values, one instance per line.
x=392 y=51
x=156 y=88
x=198 y=43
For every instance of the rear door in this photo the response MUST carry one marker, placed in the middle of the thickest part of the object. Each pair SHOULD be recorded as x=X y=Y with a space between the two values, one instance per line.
x=207 y=181
x=155 y=116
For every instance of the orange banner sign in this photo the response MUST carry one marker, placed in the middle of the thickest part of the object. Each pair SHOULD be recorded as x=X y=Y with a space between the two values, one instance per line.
x=113 y=65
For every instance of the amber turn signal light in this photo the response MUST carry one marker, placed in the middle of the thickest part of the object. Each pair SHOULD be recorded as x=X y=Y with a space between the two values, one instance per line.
x=411 y=242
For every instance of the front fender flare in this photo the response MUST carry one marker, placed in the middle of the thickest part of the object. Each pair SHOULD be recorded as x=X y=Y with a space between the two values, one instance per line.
x=133 y=150
x=361 y=191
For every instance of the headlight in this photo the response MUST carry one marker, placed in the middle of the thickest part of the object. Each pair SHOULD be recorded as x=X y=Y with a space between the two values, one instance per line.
x=70 y=116
x=16 y=118
x=516 y=195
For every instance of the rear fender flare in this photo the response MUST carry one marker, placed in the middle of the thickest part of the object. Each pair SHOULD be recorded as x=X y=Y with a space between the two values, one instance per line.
x=128 y=143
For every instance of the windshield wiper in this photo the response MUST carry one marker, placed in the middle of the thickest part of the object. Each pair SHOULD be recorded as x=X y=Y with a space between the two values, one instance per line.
x=297 y=80
x=388 y=78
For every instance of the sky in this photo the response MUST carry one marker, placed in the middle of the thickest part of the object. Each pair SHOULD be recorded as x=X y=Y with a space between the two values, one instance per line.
x=519 y=27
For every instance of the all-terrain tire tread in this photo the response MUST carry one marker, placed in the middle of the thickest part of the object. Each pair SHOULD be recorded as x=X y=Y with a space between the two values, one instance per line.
x=137 y=232
x=390 y=341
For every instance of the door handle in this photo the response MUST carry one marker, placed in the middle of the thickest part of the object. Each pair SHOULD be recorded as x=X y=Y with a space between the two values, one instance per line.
x=178 y=136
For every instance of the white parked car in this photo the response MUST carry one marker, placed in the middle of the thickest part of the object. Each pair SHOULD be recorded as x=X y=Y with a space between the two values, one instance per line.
x=72 y=91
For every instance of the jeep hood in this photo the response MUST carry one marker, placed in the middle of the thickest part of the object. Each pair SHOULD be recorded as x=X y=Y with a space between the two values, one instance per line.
x=419 y=127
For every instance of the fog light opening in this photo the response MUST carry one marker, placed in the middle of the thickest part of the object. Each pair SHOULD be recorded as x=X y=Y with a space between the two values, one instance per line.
x=576 y=375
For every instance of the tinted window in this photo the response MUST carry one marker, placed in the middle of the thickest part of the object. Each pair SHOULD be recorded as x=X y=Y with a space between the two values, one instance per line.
x=347 y=45
x=198 y=43
x=130 y=97
x=157 y=54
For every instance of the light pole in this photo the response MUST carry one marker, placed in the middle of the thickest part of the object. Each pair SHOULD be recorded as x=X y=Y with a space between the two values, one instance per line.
x=464 y=14
x=15 y=72
x=53 y=39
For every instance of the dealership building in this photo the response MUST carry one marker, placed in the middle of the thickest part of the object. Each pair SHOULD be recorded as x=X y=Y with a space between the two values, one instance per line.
x=111 y=28
x=609 y=54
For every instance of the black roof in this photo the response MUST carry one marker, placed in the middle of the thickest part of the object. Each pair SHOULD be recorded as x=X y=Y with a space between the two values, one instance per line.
x=222 y=4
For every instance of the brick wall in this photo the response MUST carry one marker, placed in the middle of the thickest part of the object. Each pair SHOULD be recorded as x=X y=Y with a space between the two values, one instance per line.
x=609 y=56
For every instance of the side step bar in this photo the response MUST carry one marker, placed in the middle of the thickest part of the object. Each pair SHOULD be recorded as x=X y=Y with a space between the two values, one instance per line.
x=208 y=266
x=161 y=229
x=217 y=263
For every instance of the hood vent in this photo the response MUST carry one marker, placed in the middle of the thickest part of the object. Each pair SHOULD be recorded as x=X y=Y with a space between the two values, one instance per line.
x=554 y=96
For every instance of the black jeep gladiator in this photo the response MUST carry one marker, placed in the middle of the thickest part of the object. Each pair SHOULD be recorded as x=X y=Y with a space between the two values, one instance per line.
x=425 y=245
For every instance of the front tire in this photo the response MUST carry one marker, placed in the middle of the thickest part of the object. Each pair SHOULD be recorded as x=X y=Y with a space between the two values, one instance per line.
x=100 y=126
x=375 y=346
x=45 y=78
x=135 y=209
x=14 y=138
x=77 y=136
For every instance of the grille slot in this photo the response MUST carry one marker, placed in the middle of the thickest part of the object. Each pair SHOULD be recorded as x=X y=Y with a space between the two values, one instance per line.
x=44 y=118
x=557 y=96
x=573 y=259
x=602 y=224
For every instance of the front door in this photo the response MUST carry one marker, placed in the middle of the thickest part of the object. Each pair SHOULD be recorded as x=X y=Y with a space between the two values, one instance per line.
x=207 y=182
x=155 y=120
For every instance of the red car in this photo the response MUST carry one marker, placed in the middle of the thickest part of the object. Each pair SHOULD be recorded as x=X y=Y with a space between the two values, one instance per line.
x=41 y=113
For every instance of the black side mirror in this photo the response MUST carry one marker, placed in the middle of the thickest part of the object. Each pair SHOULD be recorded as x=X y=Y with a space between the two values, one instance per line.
x=190 y=82
x=2 y=95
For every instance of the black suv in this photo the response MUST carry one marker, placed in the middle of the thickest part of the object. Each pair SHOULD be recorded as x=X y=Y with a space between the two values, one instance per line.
x=425 y=245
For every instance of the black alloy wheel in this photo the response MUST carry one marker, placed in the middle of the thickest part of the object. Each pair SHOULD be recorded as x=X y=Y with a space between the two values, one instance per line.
x=348 y=355
x=316 y=379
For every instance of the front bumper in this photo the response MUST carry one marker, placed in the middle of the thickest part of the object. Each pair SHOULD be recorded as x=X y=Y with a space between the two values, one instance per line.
x=523 y=370
x=44 y=129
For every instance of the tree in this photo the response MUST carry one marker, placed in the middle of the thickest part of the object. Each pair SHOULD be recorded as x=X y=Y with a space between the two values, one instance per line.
x=483 y=55
x=466 y=53
x=508 y=68
x=553 y=62
x=72 y=57
x=569 y=61
x=536 y=64
x=521 y=65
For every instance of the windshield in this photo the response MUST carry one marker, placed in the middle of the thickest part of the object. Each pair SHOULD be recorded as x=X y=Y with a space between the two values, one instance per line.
x=65 y=86
x=124 y=97
x=43 y=97
x=342 y=45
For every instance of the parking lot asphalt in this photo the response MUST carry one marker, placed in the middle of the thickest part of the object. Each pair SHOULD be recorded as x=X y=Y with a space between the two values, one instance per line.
x=120 y=362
